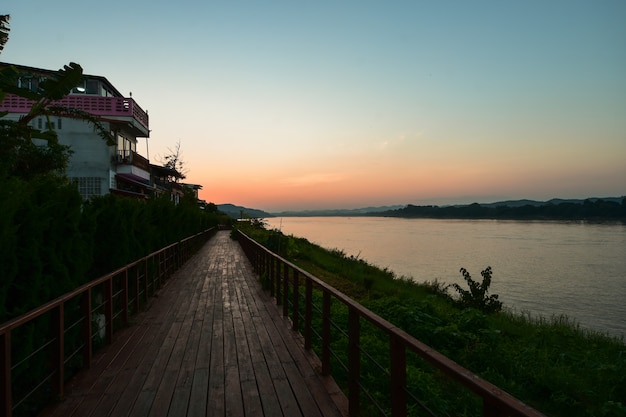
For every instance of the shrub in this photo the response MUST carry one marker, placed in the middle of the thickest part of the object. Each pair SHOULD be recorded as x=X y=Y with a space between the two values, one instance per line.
x=477 y=296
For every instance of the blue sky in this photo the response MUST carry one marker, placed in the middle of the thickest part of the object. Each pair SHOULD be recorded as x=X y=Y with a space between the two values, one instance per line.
x=279 y=105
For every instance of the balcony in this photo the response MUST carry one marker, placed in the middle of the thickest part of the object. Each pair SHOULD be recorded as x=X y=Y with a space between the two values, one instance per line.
x=114 y=108
x=125 y=157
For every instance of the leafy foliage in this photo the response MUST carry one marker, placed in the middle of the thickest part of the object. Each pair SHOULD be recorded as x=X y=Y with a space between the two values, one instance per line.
x=4 y=30
x=476 y=297
x=174 y=162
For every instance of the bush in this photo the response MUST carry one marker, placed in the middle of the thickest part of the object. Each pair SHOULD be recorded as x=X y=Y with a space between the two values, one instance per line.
x=477 y=296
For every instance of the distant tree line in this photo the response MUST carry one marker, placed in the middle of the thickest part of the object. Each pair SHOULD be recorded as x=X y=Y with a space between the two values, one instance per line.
x=588 y=210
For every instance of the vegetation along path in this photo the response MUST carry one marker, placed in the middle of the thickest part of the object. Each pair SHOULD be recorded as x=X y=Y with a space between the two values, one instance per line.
x=212 y=343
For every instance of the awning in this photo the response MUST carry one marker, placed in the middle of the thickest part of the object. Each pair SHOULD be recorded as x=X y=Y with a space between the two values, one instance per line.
x=134 y=179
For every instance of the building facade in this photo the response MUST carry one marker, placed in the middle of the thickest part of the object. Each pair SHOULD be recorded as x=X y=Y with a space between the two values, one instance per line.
x=95 y=166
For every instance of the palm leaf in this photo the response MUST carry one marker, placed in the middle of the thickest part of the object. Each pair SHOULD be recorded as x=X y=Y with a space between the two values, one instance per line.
x=4 y=30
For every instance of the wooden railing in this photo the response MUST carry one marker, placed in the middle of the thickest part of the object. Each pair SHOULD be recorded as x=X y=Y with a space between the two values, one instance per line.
x=125 y=156
x=284 y=280
x=76 y=323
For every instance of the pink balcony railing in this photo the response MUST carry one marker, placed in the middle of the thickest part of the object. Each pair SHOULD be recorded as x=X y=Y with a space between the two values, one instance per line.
x=96 y=105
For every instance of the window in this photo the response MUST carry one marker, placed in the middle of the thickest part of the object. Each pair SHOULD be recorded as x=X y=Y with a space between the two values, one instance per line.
x=29 y=82
x=89 y=187
x=87 y=87
x=59 y=123
x=125 y=146
x=91 y=87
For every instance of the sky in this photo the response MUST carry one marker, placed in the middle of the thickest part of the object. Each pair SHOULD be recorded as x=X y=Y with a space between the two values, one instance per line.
x=281 y=105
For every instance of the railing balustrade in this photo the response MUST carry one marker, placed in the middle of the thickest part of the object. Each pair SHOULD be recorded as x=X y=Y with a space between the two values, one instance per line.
x=96 y=105
x=79 y=322
x=280 y=277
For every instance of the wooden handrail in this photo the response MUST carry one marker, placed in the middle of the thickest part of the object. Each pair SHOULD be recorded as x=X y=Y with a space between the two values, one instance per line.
x=167 y=260
x=496 y=402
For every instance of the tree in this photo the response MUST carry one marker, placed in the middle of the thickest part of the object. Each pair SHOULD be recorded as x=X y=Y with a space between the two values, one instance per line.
x=4 y=30
x=174 y=162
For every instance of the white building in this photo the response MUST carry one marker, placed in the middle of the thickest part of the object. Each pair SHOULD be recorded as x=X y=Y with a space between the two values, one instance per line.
x=95 y=166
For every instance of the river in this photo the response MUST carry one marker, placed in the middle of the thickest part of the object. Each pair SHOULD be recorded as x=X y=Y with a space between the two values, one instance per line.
x=541 y=268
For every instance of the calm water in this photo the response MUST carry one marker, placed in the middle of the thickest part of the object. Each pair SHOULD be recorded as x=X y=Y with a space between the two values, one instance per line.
x=545 y=268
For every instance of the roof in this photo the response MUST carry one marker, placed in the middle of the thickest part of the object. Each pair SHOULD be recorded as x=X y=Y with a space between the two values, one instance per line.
x=48 y=72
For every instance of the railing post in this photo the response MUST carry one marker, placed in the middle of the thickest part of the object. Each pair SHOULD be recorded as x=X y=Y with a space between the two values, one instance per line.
x=267 y=264
x=277 y=276
x=6 y=400
x=258 y=259
x=58 y=351
x=285 y=290
x=136 y=294
x=85 y=306
x=397 y=353
x=154 y=278
x=125 y=297
x=270 y=273
x=161 y=260
x=145 y=279
x=296 y=300
x=326 y=333
x=354 y=363
x=308 y=312
x=108 y=310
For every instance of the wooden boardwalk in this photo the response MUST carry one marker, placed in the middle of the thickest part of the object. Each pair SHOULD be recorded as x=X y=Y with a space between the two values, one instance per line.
x=211 y=344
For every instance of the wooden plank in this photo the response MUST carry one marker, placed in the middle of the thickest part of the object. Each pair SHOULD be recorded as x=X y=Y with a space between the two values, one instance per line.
x=232 y=385
x=198 y=396
x=180 y=402
x=200 y=384
x=267 y=394
x=249 y=391
x=215 y=398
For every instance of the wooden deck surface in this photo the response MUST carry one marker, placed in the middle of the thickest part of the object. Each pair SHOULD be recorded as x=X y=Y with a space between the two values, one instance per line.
x=211 y=344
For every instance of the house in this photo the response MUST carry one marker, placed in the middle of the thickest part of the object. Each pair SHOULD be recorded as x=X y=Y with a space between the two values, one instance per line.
x=164 y=181
x=195 y=189
x=95 y=166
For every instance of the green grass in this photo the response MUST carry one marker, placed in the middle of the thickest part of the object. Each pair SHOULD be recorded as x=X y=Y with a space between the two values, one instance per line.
x=549 y=363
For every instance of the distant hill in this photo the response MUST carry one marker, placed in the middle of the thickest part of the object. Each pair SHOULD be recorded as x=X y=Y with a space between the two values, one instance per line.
x=337 y=212
x=237 y=212
x=554 y=201
x=609 y=208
